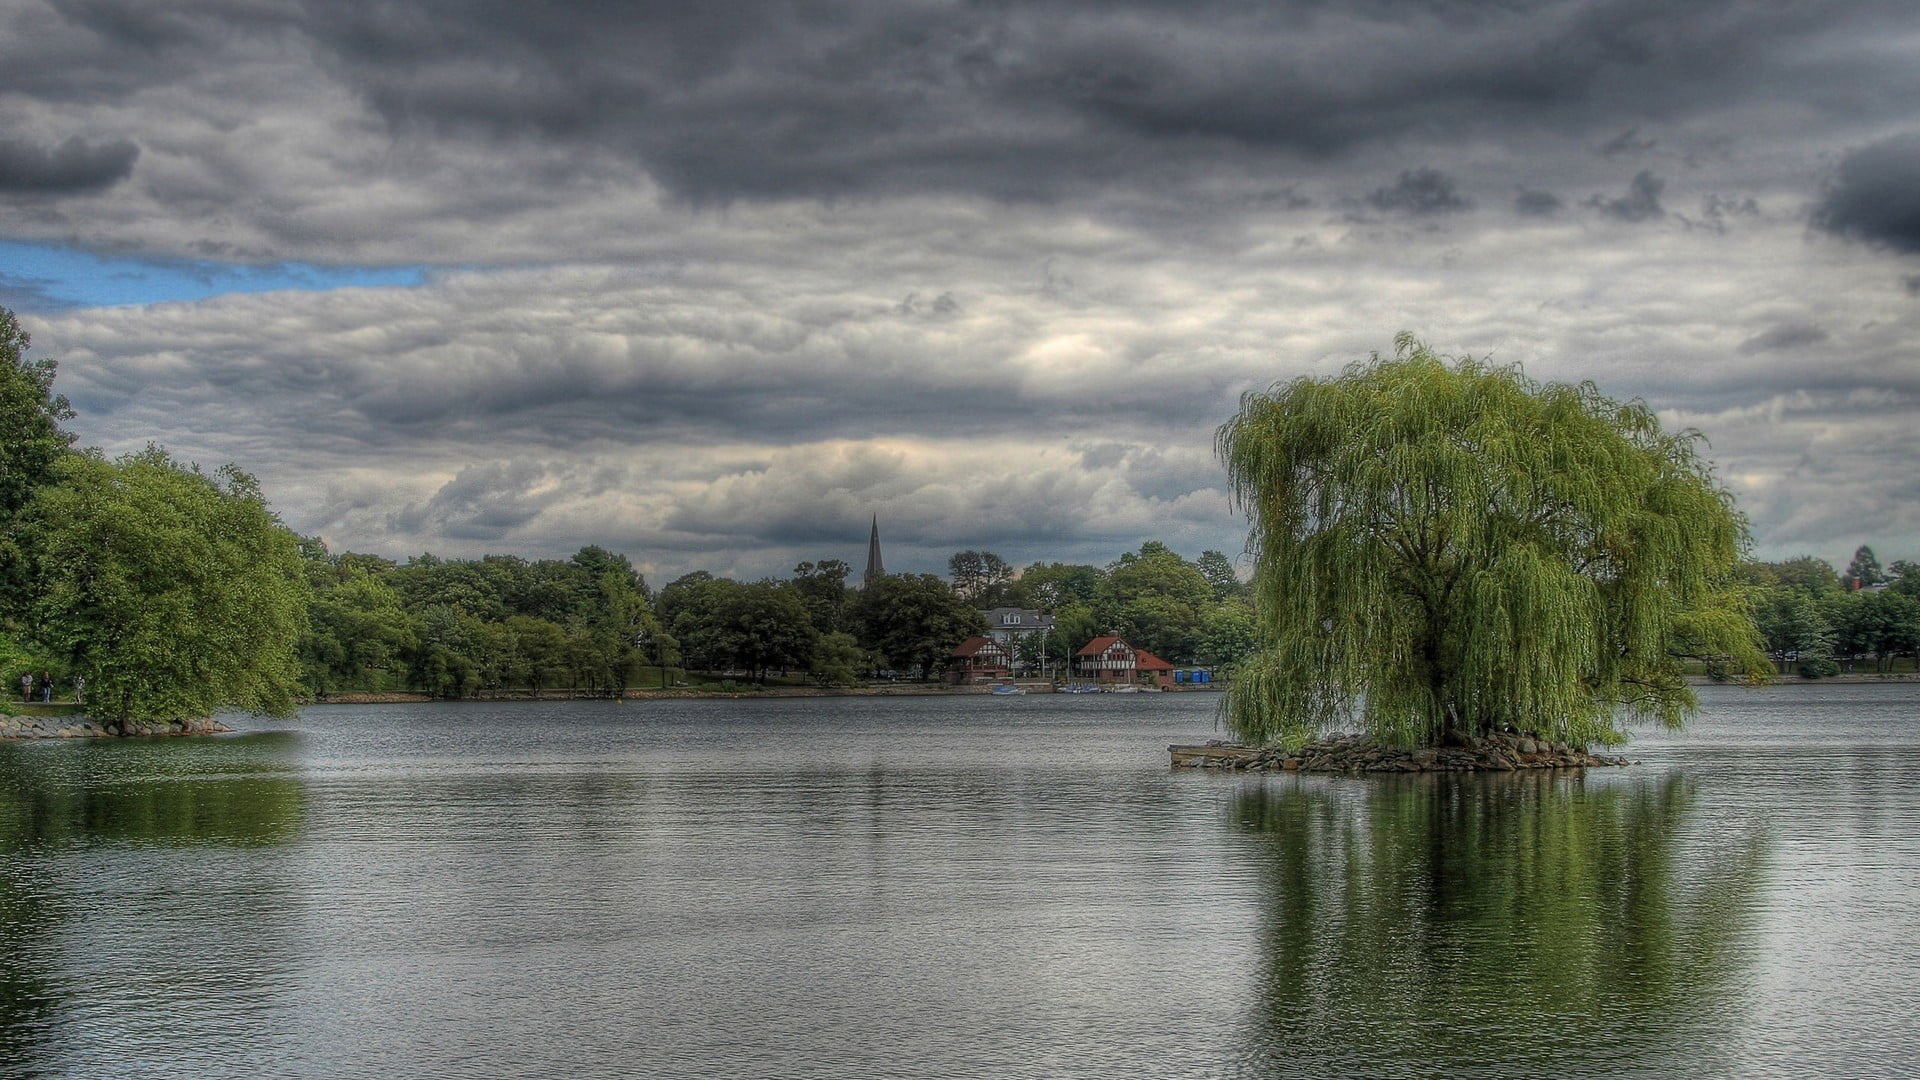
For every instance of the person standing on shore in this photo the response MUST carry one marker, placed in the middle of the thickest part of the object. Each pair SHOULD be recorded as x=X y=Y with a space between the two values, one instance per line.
x=46 y=687
x=26 y=686
x=79 y=689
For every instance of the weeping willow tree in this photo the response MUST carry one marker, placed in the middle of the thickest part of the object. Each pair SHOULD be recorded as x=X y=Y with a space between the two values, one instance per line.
x=1446 y=548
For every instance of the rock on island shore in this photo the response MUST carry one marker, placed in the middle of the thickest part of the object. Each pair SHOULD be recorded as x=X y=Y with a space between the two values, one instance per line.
x=1352 y=754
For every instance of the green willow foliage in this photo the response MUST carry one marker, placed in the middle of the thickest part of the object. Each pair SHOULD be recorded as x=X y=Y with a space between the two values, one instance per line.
x=1445 y=549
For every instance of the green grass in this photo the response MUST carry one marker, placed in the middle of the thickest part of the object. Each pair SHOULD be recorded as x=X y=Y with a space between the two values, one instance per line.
x=35 y=708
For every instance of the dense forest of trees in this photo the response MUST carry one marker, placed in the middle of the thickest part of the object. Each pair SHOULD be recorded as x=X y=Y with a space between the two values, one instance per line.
x=590 y=623
x=1817 y=622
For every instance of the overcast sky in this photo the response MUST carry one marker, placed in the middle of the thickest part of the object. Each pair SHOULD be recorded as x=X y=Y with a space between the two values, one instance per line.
x=711 y=284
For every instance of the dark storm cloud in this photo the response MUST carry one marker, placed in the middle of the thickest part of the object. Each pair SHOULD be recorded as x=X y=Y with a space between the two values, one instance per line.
x=1532 y=203
x=765 y=99
x=74 y=165
x=1629 y=142
x=1784 y=336
x=1876 y=196
x=1640 y=203
x=1419 y=192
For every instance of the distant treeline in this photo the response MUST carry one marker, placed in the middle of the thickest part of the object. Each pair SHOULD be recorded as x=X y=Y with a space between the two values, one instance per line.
x=591 y=624
x=1817 y=622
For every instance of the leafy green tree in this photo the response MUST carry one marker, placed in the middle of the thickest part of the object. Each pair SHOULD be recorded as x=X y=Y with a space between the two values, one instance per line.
x=357 y=636
x=1218 y=570
x=823 y=587
x=1795 y=630
x=1055 y=585
x=837 y=659
x=173 y=592
x=1882 y=624
x=1864 y=570
x=446 y=662
x=539 y=659
x=1903 y=577
x=914 y=620
x=1228 y=635
x=1447 y=549
x=1154 y=598
x=1161 y=625
x=1806 y=573
x=31 y=440
x=723 y=623
x=31 y=444
x=615 y=621
x=979 y=576
x=767 y=627
x=1073 y=626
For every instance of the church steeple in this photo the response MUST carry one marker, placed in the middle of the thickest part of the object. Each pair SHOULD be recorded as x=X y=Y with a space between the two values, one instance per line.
x=874 y=567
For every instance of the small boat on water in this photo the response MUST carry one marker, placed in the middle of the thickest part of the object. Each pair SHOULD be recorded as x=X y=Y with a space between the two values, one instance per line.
x=1080 y=688
x=1125 y=688
x=1004 y=689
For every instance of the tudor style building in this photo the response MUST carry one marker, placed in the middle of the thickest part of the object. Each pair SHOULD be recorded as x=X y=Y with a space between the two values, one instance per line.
x=1109 y=659
x=979 y=659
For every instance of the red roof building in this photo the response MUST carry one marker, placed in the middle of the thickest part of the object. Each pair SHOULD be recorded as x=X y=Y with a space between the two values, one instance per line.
x=979 y=660
x=1109 y=659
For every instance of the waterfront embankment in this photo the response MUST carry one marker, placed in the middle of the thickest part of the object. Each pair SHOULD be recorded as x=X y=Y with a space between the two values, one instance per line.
x=66 y=724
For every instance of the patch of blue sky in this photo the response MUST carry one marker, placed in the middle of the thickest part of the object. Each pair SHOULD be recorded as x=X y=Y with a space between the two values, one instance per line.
x=46 y=277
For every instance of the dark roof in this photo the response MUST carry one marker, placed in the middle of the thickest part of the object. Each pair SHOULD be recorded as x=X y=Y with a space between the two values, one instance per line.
x=974 y=644
x=1029 y=619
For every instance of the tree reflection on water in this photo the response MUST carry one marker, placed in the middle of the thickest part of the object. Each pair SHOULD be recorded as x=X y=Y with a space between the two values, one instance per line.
x=75 y=821
x=1498 y=925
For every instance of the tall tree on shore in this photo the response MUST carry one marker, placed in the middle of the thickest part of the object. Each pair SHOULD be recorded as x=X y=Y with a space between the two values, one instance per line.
x=1864 y=570
x=1444 y=549
x=31 y=444
x=913 y=620
x=175 y=593
x=978 y=576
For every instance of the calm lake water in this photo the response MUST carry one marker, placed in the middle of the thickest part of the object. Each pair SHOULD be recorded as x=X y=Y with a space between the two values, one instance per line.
x=953 y=887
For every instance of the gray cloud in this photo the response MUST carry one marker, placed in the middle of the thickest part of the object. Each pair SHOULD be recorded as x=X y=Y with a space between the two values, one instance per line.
x=760 y=100
x=1786 y=336
x=1629 y=142
x=485 y=501
x=1640 y=203
x=1876 y=195
x=74 y=165
x=1532 y=203
x=1419 y=191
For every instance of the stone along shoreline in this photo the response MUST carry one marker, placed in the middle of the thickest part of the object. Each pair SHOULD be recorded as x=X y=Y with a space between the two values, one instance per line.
x=80 y=726
x=1354 y=754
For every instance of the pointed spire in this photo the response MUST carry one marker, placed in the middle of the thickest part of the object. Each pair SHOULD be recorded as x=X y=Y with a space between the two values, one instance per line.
x=874 y=567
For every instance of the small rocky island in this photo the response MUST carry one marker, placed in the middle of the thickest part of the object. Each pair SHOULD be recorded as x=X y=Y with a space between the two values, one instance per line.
x=1354 y=754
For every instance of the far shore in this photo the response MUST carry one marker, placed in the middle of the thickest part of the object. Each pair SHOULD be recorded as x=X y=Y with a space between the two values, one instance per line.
x=354 y=697
x=357 y=697
x=65 y=720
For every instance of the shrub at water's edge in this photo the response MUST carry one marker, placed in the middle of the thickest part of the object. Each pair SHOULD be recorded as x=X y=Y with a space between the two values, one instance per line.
x=1446 y=548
